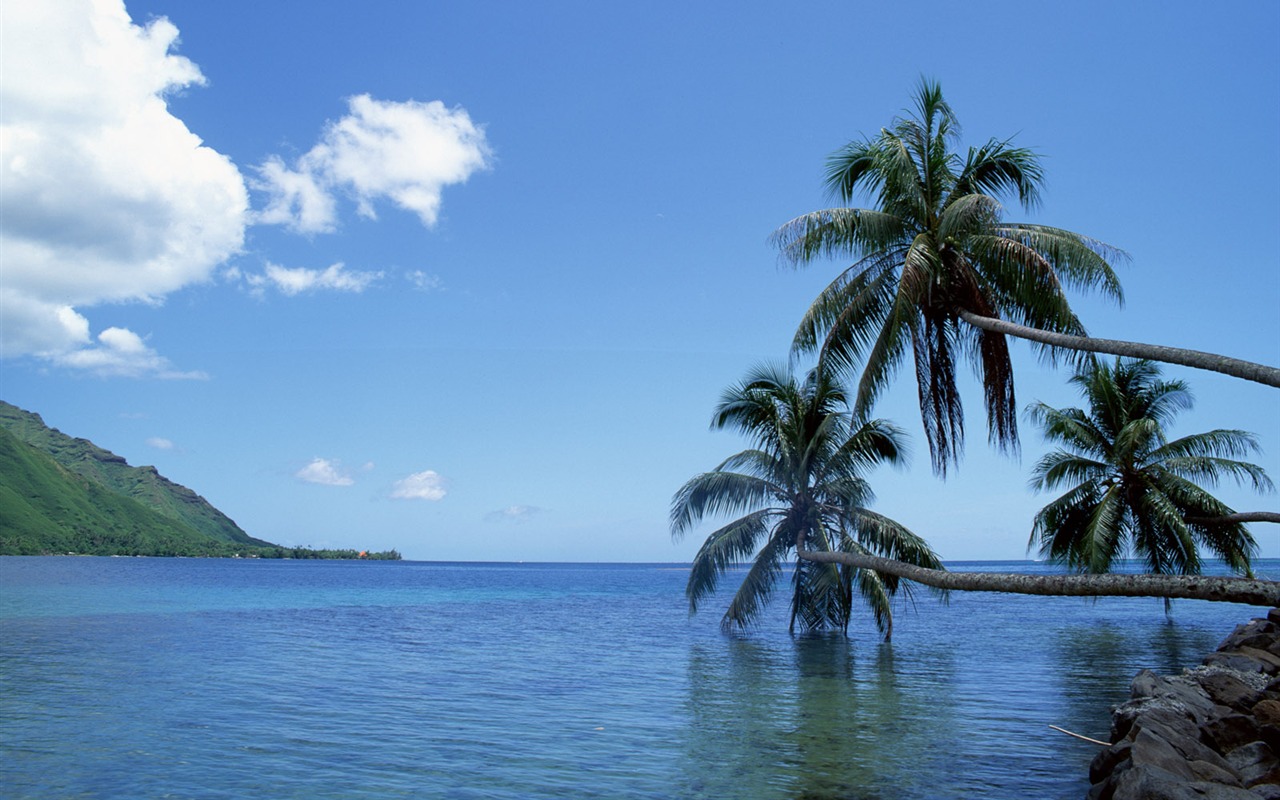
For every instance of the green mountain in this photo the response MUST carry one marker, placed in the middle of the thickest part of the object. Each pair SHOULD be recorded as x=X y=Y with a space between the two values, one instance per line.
x=65 y=495
x=46 y=508
x=109 y=471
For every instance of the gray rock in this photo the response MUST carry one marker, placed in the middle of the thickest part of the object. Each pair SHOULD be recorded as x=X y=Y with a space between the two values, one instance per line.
x=1270 y=661
x=1228 y=733
x=1254 y=762
x=1106 y=761
x=1238 y=690
x=1153 y=783
x=1208 y=733
x=1180 y=693
x=1150 y=749
x=1168 y=722
x=1267 y=712
x=1271 y=735
x=1237 y=660
x=1253 y=627
x=1266 y=791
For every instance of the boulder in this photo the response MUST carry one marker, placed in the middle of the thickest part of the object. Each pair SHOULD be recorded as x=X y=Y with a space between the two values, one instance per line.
x=1227 y=687
x=1212 y=732
x=1153 y=783
x=1267 y=712
x=1227 y=733
x=1255 y=763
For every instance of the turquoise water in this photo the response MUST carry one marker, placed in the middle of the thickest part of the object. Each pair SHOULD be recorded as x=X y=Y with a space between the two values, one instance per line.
x=193 y=678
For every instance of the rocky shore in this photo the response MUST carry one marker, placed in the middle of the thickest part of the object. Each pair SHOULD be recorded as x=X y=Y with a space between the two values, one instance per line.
x=1212 y=733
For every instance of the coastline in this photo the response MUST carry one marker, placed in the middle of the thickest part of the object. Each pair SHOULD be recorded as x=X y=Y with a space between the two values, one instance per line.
x=1213 y=731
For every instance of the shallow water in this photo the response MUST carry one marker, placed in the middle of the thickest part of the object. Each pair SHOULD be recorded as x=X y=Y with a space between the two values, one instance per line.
x=175 y=678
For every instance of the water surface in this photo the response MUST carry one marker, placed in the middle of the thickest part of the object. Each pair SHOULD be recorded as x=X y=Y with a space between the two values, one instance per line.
x=177 y=678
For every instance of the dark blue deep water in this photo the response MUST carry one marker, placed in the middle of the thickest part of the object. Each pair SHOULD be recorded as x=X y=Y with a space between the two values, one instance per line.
x=191 y=678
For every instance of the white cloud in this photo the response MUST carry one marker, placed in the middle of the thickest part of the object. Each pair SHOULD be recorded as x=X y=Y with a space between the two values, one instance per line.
x=294 y=281
x=160 y=443
x=325 y=472
x=428 y=485
x=405 y=152
x=424 y=281
x=107 y=196
x=122 y=353
x=513 y=514
x=298 y=200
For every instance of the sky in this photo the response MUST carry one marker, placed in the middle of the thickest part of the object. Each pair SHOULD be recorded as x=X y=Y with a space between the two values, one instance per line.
x=466 y=279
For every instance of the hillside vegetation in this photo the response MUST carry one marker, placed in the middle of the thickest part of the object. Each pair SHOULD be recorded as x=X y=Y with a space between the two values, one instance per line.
x=60 y=494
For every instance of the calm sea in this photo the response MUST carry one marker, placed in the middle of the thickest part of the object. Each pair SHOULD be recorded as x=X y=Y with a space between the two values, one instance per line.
x=194 y=678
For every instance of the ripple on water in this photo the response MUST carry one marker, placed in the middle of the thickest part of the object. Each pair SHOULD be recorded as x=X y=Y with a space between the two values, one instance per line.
x=153 y=678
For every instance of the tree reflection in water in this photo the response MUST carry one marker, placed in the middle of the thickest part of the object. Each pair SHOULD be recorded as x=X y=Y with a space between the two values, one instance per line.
x=813 y=717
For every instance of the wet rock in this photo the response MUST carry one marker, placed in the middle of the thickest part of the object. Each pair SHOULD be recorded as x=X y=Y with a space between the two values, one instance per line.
x=1236 y=660
x=1267 y=712
x=1249 y=630
x=1269 y=660
x=1180 y=694
x=1106 y=761
x=1228 y=687
x=1255 y=763
x=1153 y=783
x=1213 y=732
x=1227 y=733
x=1271 y=735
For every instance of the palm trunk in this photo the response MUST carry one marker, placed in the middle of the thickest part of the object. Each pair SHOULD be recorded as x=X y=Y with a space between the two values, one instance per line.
x=1235 y=367
x=1250 y=591
x=1242 y=516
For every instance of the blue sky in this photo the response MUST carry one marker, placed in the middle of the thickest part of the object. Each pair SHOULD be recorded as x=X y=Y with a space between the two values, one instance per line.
x=466 y=279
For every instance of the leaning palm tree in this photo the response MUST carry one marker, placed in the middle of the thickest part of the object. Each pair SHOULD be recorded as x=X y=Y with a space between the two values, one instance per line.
x=1130 y=491
x=940 y=274
x=798 y=487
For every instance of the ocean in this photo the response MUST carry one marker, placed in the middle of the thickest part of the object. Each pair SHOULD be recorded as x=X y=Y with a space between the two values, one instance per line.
x=218 y=678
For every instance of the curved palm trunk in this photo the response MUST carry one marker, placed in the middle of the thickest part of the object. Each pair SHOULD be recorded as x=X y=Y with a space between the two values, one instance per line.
x=1235 y=367
x=1242 y=516
x=1250 y=591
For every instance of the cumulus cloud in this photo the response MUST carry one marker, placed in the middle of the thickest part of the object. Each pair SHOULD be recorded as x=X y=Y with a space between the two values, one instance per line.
x=107 y=197
x=293 y=281
x=325 y=472
x=121 y=353
x=160 y=443
x=513 y=514
x=427 y=485
x=404 y=152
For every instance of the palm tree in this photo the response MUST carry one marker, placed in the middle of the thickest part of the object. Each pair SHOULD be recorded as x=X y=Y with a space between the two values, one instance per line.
x=1129 y=489
x=1132 y=490
x=939 y=273
x=799 y=486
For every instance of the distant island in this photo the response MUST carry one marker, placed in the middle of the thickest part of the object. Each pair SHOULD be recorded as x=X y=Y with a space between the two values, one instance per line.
x=62 y=495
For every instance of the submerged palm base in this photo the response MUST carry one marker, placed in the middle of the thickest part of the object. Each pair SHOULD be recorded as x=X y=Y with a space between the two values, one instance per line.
x=799 y=487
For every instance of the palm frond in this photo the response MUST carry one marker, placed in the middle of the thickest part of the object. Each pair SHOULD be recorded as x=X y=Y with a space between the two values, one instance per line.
x=1079 y=261
x=712 y=494
x=1133 y=489
x=725 y=548
x=1000 y=168
x=837 y=232
x=753 y=595
x=1058 y=468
